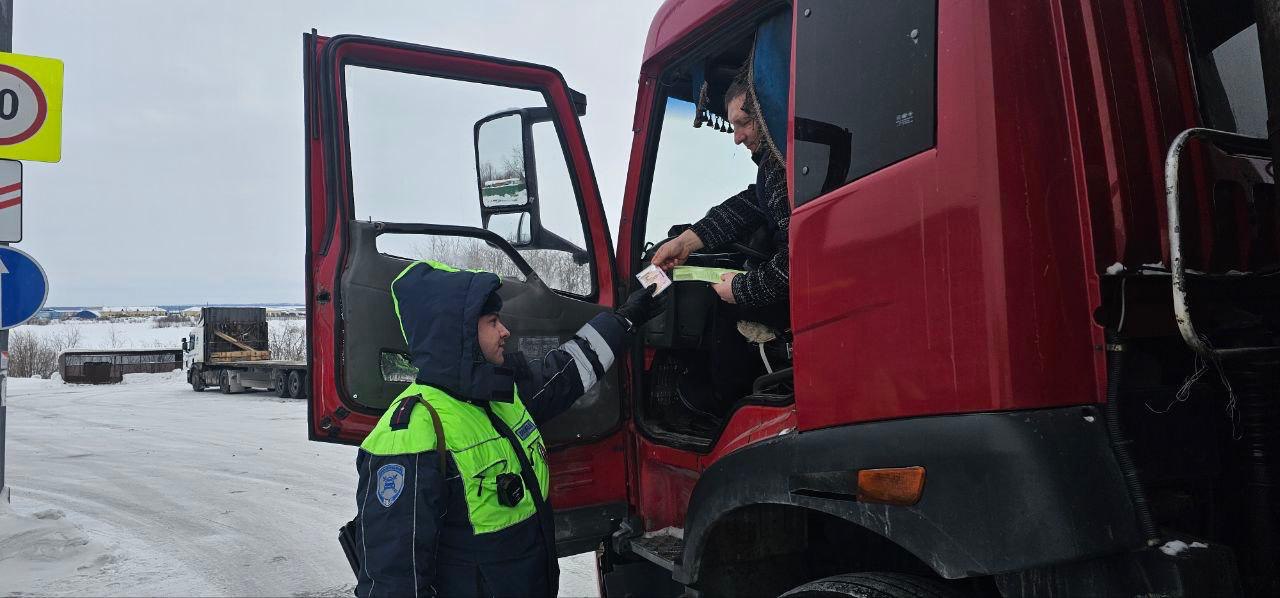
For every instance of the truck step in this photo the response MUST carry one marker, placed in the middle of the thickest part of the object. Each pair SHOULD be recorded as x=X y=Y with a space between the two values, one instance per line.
x=661 y=548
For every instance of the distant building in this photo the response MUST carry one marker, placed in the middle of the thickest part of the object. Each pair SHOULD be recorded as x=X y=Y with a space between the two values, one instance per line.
x=286 y=312
x=108 y=366
x=85 y=314
x=132 y=312
x=46 y=315
x=277 y=311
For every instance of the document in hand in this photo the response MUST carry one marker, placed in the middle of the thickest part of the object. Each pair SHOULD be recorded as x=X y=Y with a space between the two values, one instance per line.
x=711 y=275
x=654 y=275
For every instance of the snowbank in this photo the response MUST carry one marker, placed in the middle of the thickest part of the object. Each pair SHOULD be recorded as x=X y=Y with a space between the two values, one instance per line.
x=44 y=550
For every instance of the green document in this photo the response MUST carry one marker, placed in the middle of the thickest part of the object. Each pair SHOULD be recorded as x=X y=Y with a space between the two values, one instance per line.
x=699 y=273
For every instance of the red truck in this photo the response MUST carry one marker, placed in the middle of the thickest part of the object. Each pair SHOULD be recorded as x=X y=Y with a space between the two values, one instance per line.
x=1034 y=289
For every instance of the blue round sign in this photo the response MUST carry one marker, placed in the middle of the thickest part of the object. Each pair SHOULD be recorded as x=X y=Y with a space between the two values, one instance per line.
x=23 y=287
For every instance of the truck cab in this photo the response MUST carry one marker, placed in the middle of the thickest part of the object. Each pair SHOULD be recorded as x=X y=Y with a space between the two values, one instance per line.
x=193 y=348
x=1032 y=327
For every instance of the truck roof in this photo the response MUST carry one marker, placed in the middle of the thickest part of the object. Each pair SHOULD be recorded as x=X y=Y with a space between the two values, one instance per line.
x=675 y=19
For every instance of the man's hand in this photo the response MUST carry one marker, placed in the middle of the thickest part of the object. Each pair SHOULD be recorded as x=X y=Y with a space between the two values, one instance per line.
x=641 y=306
x=674 y=252
x=724 y=288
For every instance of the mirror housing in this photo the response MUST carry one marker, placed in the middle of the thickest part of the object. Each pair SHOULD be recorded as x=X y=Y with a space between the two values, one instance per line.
x=507 y=178
x=507 y=174
x=184 y=344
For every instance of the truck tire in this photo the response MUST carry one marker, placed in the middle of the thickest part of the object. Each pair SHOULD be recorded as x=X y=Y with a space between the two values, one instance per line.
x=297 y=384
x=224 y=382
x=874 y=585
x=196 y=378
x=282 y=384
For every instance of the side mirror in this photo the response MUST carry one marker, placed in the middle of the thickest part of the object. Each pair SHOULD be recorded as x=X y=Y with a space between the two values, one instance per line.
x=184 y=344
x=507 y=179
x=515 y=227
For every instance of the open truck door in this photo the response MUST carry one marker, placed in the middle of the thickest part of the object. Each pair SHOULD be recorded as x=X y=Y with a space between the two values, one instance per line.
x=422 y=153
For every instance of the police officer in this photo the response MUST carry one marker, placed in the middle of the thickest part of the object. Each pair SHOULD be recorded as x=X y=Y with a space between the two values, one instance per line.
x=452 y=498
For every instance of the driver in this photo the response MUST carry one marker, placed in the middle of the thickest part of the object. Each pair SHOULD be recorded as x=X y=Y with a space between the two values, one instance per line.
x=764 y=288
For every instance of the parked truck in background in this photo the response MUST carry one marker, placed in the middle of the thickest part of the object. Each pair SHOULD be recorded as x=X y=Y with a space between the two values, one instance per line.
x=1034 y=289
x=229 y=348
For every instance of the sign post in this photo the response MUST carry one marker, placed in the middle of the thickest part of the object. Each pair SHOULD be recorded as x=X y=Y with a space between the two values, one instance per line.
x=30 y=129
x=23 y=289
x=6 y=44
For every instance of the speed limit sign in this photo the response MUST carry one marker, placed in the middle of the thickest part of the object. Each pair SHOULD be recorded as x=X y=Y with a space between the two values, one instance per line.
x=30 y=108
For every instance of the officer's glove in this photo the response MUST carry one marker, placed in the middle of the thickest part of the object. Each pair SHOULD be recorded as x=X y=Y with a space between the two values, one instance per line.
x=640 y=307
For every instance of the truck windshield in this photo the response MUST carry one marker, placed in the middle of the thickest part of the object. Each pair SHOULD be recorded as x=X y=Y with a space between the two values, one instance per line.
x=1228 y=65
x=695 y=169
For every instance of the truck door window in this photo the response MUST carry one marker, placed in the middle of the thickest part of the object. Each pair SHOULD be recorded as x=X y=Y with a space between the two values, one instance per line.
x=695 y=169
x=1228 y=65
x=874 y=106
x=413 y=161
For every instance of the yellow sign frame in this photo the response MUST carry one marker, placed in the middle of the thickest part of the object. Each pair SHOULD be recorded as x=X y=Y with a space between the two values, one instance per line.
x=43 y=143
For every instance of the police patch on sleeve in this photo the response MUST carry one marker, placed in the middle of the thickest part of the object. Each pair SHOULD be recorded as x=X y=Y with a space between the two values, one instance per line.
x=390 y=483
x=526 y=429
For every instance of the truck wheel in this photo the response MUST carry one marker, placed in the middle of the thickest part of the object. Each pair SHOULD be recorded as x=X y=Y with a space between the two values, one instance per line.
x=282 y=384
x=297 y=386
x=196 y=378
x=224 y=382
x=874 y=585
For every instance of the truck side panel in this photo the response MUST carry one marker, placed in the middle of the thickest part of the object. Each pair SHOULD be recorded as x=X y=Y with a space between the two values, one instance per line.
x=956 y=280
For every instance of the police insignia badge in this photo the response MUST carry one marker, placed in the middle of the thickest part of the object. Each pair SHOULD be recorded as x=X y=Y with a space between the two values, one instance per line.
x=525 y=429
x=390 y=483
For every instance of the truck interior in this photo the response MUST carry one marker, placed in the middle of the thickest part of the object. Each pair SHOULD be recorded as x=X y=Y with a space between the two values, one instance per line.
x=704 y=358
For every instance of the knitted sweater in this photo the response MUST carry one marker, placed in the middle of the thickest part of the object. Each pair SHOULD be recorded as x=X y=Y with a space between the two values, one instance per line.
x=764 y=203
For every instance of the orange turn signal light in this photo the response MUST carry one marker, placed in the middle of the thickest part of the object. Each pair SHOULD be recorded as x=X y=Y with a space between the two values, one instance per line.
x=901 y=486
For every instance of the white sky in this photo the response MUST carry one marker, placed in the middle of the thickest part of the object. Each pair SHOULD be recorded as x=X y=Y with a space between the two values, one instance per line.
x=181 y=178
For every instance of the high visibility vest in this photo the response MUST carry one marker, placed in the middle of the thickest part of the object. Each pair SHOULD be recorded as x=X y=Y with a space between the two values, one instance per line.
x=479 y=452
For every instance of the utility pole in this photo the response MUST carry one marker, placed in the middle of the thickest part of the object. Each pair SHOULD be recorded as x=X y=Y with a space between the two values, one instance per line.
x=6 y=45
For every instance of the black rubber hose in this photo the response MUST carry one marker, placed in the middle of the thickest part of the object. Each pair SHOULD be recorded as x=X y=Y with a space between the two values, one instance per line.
x=1120 y=445
x=1259 y=406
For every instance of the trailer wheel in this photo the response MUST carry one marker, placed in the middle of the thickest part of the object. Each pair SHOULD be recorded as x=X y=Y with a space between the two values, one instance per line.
x=196 y=378
x=282 y=384
x=224 y=382
x=297 y=386
x=874 y=585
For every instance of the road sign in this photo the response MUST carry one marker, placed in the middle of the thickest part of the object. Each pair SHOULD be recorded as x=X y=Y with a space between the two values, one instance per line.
x=10 y=201
x=30 y=108
x=23 y=287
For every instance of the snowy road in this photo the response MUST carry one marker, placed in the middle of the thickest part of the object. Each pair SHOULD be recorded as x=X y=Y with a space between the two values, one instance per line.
x=170 y=492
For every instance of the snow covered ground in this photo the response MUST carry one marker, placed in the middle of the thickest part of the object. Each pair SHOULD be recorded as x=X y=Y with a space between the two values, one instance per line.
x=147 y=488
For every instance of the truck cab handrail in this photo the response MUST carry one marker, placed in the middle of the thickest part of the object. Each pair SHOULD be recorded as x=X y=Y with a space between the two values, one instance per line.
x=1228 y=142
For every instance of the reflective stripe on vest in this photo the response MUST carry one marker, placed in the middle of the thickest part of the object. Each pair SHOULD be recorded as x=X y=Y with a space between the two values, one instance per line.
x=479 y=452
